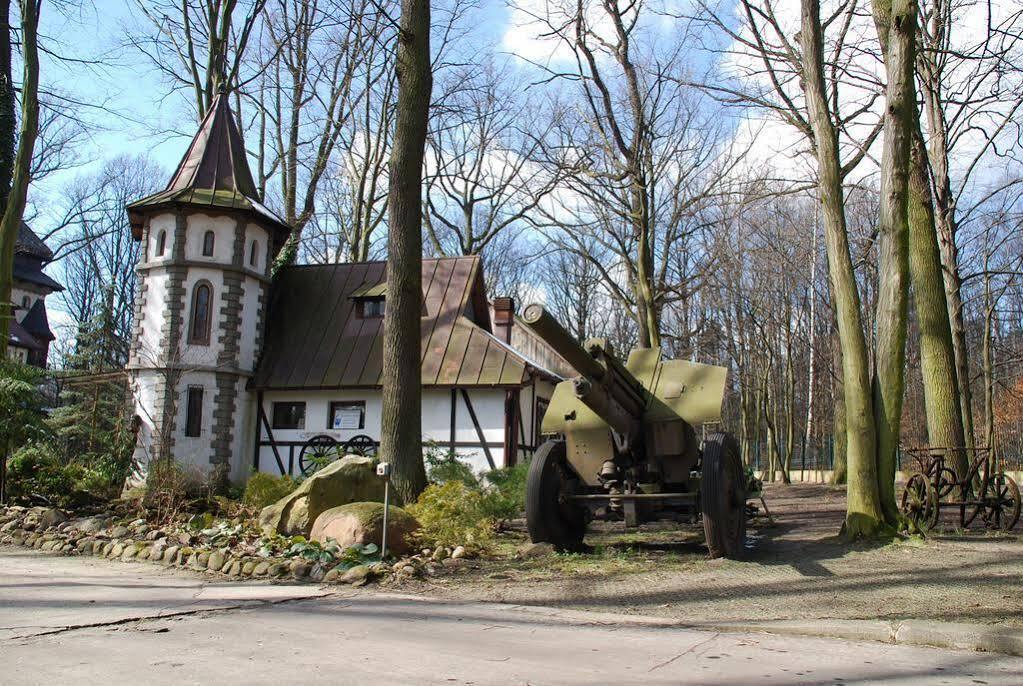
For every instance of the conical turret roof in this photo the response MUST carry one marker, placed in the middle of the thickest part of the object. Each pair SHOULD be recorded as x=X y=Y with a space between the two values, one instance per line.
x=213 y=173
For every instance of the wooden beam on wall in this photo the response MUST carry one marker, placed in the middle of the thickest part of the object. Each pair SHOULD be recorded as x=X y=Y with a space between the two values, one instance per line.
x=479 y=430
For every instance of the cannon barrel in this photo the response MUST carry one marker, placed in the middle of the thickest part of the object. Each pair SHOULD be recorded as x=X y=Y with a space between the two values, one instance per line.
x=608 y=389
x=548 y=328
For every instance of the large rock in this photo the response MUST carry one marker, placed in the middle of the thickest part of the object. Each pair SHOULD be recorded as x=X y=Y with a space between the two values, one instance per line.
x=352 y=479
x=361 y=523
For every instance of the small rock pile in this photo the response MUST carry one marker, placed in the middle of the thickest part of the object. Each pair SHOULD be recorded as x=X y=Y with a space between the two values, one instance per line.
x=106 y=536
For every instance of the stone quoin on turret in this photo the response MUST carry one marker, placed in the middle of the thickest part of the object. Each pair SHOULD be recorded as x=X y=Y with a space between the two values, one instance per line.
x=204 y=271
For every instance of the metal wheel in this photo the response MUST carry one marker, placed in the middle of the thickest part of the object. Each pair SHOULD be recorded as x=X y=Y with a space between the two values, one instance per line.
x=919 y=502
x=945 y=482
x=550 y=517
x=723 y=496
x=318 y=452
x=1001 y=502
x=361 y=445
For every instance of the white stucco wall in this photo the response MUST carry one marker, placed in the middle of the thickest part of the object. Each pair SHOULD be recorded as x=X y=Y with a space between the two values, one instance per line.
x=201 y=361
x=488 y=404
x=223 y=242
x=166 y=223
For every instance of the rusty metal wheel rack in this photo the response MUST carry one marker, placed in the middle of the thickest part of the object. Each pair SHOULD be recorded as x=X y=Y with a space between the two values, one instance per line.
x=985 y=493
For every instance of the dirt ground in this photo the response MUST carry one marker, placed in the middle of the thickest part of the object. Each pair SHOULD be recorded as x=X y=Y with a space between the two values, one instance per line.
x=796 y=568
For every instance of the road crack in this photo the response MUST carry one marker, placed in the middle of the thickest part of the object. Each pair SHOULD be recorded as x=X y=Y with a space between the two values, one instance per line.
x=199 y=611
x=683 y=653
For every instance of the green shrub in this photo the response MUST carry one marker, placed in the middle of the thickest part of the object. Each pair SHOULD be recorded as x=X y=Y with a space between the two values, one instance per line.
x=453 y=514
x=443 y=466
x=266 y=489
x=505 y=495
x=35 y=472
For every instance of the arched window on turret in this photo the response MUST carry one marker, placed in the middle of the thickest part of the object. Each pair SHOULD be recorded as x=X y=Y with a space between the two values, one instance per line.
x=161 y=242
x=254 y=253
x=199 y=325
x=207 y=244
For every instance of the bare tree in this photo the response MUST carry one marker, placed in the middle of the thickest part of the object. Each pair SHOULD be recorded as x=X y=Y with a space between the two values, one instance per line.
x=401 y=417
x=197 y=45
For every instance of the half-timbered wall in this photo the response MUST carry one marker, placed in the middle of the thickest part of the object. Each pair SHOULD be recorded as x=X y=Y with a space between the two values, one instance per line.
x=488 y=406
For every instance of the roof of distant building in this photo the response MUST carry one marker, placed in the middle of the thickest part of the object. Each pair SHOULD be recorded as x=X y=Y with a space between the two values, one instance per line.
x=28 y=268
x=28 y=243
x=37 y=323
x=20 y=338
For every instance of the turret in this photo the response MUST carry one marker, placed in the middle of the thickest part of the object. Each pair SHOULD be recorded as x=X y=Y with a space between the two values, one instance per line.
x=203 y=272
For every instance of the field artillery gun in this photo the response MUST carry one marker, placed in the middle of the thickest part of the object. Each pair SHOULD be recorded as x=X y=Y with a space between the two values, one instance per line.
x=622 y=446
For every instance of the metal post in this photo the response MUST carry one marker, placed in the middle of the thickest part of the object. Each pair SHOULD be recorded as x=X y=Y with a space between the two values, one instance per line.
x=387 y=506
x=384 y=470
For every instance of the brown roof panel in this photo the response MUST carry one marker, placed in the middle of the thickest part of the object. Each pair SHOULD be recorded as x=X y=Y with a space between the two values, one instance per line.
x=314 y=338
x=475 y=354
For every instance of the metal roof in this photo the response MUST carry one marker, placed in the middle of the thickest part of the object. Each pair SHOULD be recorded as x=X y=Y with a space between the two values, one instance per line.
x=315 y=338
x=28 y=243
x=37 y=323
x=213 y=173
x=19 y=338
x=29 y=268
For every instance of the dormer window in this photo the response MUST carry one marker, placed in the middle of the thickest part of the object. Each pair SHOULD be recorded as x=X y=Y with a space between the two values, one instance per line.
x=207 y=244
x=161 y=243
x=370 y=308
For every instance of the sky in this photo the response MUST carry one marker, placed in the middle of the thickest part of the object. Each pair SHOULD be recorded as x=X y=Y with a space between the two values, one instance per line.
x=128 y=110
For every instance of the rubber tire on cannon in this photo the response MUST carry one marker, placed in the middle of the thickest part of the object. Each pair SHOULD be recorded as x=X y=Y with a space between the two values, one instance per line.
x=550 y=517
x=723 y=496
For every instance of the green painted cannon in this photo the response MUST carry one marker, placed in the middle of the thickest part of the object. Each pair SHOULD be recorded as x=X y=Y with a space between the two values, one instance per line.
x=622 y=445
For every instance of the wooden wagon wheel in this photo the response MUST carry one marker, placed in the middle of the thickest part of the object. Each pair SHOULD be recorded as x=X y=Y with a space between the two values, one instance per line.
x=999 y=504
x=361 y=445
x=318 y=452
x=920 y=502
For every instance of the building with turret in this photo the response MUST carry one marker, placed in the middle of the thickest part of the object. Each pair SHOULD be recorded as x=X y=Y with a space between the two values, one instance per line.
x=234 y=370
x=30 y=336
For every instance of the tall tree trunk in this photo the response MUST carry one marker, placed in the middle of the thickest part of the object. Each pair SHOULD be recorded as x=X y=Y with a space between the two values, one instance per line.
x=839 y=442
x=8 y=103
x=812 y=340
x=988 y=363
x=896 y=26
x=21 y=176
x=864 y=516
x=937 y=356
x=401 y=431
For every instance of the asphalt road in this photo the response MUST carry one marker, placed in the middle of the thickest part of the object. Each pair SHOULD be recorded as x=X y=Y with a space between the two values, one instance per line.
x=85 y=621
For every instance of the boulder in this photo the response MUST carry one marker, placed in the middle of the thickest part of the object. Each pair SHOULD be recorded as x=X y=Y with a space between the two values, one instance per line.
x=351 y=479
x=361 y=523
x=52 y=517
x=90 y=525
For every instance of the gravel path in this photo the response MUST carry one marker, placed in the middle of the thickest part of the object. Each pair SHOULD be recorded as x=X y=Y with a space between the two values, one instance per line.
x=796 y=569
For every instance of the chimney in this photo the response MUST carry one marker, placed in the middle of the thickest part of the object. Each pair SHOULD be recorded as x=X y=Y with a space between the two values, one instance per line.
x=504 y=318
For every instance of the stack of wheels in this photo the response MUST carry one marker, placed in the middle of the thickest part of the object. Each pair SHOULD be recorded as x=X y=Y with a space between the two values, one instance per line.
x=723 y=496
x=316 y=453
x=920 y=502
x=999 y=503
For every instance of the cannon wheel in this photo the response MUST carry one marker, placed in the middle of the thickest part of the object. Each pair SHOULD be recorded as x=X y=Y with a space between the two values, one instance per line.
x=316 y=453
x=549 y=517
x=920 y=503
x=723 y=496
